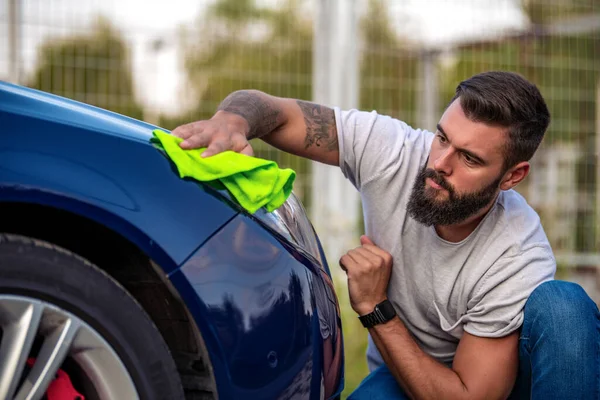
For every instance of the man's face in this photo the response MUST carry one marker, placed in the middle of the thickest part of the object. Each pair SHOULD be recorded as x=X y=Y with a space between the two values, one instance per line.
x=463 y=172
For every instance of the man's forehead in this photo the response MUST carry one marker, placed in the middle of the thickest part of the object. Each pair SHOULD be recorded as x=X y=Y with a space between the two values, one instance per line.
x=487 y=140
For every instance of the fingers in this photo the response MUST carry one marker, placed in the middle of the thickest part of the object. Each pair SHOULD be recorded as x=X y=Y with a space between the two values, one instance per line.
x=369 y=245
x=347 y=262
x=187 y=130
x=248 y=150
x=196 y=140
x=194 y=135
x=368 y=260
x=216 y=136
x=361 y=258
x=364 y=239
x=241 y=145
x=342 y=264
x=218 y=144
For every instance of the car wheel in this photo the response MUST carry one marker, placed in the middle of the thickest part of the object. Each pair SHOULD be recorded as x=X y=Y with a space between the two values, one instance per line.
x=61 y=314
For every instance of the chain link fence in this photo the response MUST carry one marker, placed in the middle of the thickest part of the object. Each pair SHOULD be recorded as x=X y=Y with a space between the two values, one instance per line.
x=172 y=63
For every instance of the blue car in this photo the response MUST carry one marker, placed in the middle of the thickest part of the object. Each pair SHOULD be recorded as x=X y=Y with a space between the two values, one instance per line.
x=120 y=280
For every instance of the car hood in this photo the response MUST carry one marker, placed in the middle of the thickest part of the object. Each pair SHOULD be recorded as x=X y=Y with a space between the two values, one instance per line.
x=41 y=105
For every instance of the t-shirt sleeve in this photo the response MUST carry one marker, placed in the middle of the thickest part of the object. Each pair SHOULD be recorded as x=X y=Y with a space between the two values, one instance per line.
x=371 y=144
x=496 y=309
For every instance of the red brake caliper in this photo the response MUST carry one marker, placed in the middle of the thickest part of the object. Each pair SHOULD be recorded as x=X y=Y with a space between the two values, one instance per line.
x=61 y=387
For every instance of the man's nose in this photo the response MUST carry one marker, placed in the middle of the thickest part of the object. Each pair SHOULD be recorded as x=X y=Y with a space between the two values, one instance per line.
x=443 y=163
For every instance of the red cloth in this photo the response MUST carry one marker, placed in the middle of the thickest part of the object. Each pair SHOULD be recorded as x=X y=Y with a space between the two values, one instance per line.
x=61 y=387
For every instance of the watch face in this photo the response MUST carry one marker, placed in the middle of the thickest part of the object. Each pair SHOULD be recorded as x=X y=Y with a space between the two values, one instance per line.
x=382 y=313
x=387 y=310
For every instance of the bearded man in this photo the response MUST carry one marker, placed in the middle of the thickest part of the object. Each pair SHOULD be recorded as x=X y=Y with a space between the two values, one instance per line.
x=454 y=278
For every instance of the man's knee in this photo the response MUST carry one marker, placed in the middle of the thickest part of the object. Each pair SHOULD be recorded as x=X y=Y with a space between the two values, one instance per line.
x=559 y=304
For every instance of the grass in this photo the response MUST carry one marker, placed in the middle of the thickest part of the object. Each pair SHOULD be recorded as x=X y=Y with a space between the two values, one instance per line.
x=355 y=339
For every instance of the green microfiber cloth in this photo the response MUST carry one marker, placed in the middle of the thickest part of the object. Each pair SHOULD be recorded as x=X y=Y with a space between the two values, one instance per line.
x=253 y=182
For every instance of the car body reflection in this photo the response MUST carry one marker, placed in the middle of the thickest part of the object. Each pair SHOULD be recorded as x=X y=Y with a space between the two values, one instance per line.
x=272 y=311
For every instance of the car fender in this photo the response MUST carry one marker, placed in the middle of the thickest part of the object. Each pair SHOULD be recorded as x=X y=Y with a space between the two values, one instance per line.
x=102 y=166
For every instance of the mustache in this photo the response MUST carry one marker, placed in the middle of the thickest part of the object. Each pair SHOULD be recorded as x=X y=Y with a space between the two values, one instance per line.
x=437 y=178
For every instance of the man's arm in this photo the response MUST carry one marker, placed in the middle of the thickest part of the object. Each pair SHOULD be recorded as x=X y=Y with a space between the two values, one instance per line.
x=483 y=368
x=295 y=126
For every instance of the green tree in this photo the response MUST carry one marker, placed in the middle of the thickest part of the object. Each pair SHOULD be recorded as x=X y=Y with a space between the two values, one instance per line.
x=388 y=69
x=92 y=68
x=241 y=46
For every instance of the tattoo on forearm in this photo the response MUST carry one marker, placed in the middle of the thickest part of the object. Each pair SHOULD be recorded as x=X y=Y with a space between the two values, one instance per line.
x=263 y=117
x=320 y=126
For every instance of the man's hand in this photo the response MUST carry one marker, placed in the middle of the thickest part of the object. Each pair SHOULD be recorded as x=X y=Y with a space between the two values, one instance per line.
x=224 y=131
x=368 y=269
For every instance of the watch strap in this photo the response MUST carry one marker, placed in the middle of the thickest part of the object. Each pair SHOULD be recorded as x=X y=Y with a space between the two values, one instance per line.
x=382 y=313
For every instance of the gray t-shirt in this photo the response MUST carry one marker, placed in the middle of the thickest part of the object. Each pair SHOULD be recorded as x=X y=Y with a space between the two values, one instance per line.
x=438 y=288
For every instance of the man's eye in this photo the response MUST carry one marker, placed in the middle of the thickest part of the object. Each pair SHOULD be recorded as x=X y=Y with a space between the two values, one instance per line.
x=469 y=160
x=442 y=138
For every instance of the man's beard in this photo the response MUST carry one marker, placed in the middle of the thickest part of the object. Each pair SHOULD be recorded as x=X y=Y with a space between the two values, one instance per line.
x=426 y=209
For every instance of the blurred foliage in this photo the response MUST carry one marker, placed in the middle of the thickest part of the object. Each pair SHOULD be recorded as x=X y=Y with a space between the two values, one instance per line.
x=388 y=71
x=545 y=11
x=92 y=68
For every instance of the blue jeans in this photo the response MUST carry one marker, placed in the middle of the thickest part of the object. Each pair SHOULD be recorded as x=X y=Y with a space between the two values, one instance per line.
x=559 y=350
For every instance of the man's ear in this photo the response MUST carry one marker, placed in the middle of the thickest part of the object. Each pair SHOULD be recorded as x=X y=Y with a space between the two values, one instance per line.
x=515 y=175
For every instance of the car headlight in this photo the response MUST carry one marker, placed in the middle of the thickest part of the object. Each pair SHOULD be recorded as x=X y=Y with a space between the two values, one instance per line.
x=290 y=220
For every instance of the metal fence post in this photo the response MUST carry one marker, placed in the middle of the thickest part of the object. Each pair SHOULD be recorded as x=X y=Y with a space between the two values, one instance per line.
x=335 y=83
x=14 y=42
x=428 y=91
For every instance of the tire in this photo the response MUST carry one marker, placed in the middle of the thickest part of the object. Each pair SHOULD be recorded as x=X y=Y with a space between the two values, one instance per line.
x=39 y=270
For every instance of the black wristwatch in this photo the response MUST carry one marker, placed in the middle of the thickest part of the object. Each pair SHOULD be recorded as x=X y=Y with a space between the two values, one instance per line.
x=382 y=313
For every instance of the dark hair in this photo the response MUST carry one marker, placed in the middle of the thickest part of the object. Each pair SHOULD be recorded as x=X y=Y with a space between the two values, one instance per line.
x=507 y=99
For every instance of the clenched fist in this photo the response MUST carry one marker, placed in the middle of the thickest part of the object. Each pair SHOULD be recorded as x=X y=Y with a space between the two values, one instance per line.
x=368 y=268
